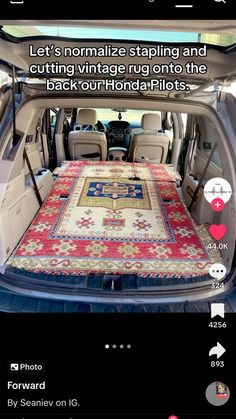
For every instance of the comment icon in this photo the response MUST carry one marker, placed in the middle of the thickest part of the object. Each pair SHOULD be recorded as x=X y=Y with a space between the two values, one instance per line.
x=218 y=271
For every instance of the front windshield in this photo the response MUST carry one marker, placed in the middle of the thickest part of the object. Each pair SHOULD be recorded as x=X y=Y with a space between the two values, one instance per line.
x=132 y=115
x=80 y=32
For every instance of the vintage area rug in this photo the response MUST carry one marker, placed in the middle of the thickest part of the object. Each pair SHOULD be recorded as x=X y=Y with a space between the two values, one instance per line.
x=114 y=225
x=157 y=172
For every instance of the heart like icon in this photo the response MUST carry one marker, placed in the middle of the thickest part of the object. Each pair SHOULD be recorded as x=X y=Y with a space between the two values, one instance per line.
x=217 y=231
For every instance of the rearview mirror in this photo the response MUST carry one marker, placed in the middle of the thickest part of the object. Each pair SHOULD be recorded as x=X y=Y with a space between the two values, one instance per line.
x=119 y=110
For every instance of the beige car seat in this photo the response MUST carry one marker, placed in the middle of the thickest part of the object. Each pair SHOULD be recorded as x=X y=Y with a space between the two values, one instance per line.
x=149 y=145
x=84 y=144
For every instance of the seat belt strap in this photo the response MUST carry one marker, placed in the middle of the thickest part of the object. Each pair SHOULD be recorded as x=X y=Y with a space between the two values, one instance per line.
x=39 y=139
x=195 y=195
x=36 y=189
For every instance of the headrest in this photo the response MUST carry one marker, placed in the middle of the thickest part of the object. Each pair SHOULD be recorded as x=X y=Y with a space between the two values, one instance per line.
x=151 y=122
x=87 y=117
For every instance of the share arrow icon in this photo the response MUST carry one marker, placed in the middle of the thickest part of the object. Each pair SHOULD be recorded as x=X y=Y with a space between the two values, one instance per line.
x=217 y=350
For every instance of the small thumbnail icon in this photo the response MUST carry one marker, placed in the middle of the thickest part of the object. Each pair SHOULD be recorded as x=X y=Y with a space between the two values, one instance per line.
x=217 y=231
x=221 y=390
x=217 y=394
x=14 y=367
x=218 y=271
x=218 y=309
x=217 y=188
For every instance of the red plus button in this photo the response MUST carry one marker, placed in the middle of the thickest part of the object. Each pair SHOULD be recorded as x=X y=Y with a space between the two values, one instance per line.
x=172 y=417
x=217 y=204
